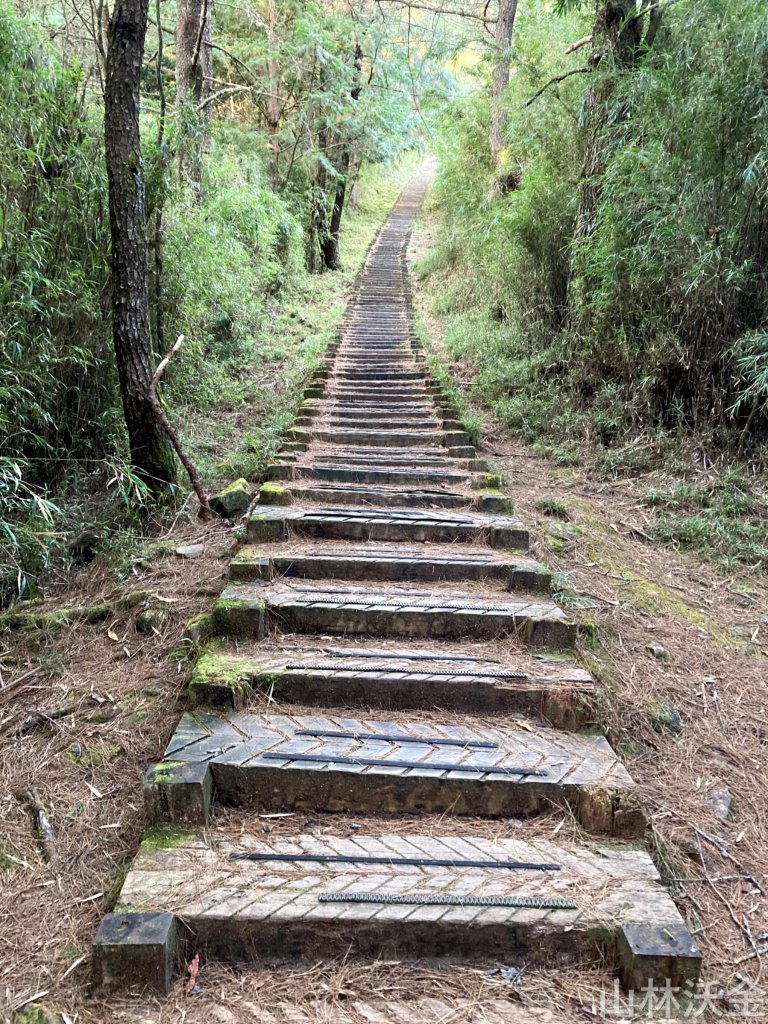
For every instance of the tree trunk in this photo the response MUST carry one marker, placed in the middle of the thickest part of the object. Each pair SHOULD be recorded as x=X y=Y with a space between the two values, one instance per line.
x=330 y=243
x=615 y=43
x=619 y=37
x=330 y=237
x=273 y=99
x=194 y=73
x=150 y=450
x=500 y=80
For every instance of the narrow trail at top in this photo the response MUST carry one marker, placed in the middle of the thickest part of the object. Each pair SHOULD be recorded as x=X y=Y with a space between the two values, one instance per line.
x=389 y=650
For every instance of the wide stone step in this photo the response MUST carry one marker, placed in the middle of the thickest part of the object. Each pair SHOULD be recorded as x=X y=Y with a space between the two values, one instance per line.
x=394 y=497
x=409 y=525
x=415 y=894
x=252 y=609
x=378 y=562
x=339 y=473
x=278 y=762
x=348 y=435
x=385 y=674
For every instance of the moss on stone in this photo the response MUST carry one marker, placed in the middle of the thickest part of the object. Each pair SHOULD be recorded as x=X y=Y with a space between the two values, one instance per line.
x=272 y=493
x=199 y=629
x=156 y=839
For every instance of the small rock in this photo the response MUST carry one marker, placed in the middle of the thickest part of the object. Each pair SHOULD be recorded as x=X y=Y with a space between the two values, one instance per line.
x=720 y=803
x=36 y=1013
x=656 y=649
x=665 y=718
x=190 y=550
x=233 y=501
x=152 y=619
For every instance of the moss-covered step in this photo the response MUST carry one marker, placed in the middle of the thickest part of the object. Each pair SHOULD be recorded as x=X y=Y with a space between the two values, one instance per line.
x=254 y=608
x=316 y=896
x=380 y=675
x=401 y=524
x=379 y=562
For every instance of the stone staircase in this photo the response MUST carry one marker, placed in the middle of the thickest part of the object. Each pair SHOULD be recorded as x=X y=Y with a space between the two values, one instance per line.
x=394 y=686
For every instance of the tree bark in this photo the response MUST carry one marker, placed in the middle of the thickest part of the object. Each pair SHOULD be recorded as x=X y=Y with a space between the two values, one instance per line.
x=330 y=236
x=194 y=73
x=150 y=450
x=616 y=40
x=620 y=36
x=273 y=99
x=503 y=40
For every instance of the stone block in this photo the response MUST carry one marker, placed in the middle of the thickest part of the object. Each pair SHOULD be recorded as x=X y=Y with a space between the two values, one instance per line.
x=233 y=501
x=134 y=953
x=657 y=951
x=179 y=792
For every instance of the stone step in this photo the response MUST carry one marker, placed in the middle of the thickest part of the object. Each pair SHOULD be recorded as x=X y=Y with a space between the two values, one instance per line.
x=397 y=524
x=243 y=895
x=383 y=674
x=252 y=609
x=299 y=762
x=393 y=438
x=357 y=474
x=378 y=562
x=358 y=494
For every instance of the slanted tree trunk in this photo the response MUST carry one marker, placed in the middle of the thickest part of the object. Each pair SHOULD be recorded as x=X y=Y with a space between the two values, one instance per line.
x=503 y=40
x=151 y=453
x=194 y=86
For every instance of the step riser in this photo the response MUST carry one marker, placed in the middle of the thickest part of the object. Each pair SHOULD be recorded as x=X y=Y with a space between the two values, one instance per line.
x=362 y=496
x=393 y=438
x=511 y=539
x=340 y=568
x=568 y=711
x=273 y=790
x=366 y=476
x=416 y=623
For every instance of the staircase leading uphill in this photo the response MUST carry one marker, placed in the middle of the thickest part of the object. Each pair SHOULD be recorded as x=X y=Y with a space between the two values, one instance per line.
x=389 y=651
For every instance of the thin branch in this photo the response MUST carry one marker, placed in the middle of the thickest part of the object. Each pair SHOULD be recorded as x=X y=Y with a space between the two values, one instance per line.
x=458 y=12
x=200 y=33
x=555 y=81
x=578 y=44
x=223 y=92
x=154 y=401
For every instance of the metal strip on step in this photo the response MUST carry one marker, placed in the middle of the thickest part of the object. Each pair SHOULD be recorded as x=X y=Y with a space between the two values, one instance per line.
x=377 y=762
x=448 y=900
x=418 y=862
x=438 y=741
x=343 y=652
x=463 y=672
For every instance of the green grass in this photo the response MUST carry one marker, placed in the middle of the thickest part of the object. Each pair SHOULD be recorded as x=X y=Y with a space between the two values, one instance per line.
x=725 y=520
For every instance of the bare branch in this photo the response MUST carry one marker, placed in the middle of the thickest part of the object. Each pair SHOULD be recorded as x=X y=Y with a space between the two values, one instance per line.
x=555 y=81
x=578 y=44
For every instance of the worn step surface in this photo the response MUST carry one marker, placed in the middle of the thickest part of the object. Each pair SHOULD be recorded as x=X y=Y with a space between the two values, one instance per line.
x=254 y=608
x=371 y=674
x=321 y=895
x=396 y=524
x=279 y=762
x=315 y=560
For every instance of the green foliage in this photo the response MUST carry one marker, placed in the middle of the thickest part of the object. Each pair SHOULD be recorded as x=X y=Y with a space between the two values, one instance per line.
x=724 y=518
x=659 y=317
